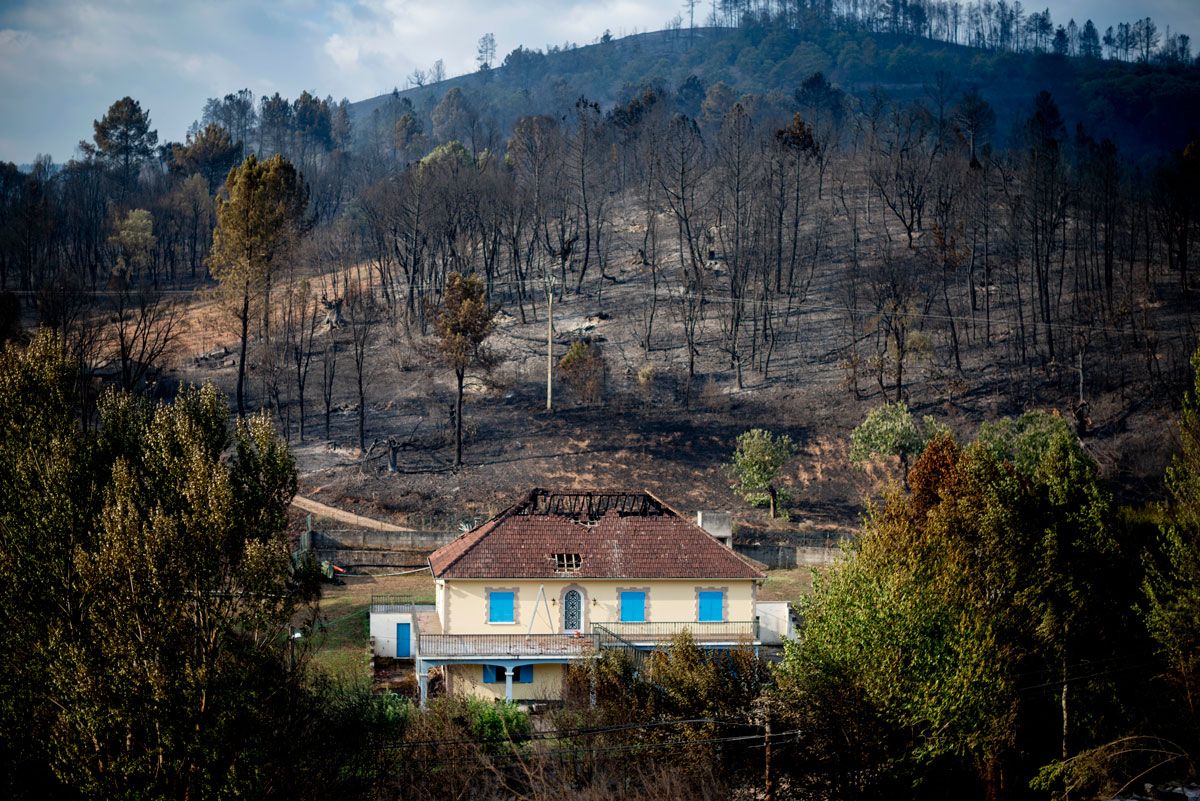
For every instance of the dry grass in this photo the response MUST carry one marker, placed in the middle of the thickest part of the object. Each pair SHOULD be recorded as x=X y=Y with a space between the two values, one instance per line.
x=786 y=585
x=342 y=648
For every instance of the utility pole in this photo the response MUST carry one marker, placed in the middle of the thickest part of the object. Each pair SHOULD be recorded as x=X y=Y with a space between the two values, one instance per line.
x=550 y=344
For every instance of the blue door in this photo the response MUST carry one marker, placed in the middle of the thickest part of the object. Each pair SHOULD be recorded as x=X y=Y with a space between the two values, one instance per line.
x=403 y=640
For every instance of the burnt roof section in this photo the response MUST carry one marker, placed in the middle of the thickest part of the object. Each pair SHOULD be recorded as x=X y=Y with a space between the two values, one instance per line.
x=622 y=535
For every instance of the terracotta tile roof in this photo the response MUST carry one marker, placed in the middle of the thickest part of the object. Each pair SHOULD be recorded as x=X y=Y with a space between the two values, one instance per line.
x=617 y=535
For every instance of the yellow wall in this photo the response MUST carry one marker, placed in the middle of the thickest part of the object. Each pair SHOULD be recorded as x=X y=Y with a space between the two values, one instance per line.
x=468 y=680
x=464 y=607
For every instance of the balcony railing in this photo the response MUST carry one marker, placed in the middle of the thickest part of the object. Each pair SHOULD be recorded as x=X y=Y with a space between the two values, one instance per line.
x=733 y=631
x=503 y=645
x=390 y=603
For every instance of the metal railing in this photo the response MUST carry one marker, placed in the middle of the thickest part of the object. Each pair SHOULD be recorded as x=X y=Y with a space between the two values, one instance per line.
x=732 y=631
x=503 y=645
x=606 y=640
x=395 y=602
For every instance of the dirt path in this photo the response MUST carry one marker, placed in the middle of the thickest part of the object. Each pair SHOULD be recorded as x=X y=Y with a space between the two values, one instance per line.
x=332 y=513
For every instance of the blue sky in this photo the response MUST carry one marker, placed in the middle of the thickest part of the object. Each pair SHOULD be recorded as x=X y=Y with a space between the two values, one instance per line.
x=62 y=62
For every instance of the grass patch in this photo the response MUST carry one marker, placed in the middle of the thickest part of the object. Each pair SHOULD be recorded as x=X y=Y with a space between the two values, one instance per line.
x=342 y=650
x=786 y=585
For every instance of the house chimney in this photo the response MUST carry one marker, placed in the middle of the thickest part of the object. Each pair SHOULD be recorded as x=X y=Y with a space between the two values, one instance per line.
x=718 y=524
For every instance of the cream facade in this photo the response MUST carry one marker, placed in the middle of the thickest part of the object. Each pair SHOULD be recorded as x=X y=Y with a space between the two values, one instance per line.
x=469 y=680
x=544 y=633
x=462 y=604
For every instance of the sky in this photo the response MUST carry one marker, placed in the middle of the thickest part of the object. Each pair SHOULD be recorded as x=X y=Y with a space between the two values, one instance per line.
x=63 y=62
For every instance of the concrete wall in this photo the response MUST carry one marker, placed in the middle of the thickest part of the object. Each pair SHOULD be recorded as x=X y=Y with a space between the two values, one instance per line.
x=352 y=539
x=774 y=622
x=439 y=600
x=719 y=525
x=372 y=558
x=464 y=608
x=468 y=680
x=786 y=557
x=383 y=632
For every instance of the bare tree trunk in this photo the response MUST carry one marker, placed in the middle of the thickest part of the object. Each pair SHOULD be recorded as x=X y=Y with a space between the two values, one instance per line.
x=459 y=374
x=245 y=332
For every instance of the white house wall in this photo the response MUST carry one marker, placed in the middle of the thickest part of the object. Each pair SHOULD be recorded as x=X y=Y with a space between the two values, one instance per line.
x=383 y=632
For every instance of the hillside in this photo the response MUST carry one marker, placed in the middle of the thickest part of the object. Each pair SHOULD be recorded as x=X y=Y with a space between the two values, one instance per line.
x=1144 y=108
x=743 y=246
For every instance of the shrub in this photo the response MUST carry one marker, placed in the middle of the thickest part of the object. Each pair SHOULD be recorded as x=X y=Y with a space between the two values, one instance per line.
x=584 y=371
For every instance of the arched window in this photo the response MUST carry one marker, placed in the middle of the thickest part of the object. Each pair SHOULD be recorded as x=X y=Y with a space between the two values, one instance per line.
x=572 y=611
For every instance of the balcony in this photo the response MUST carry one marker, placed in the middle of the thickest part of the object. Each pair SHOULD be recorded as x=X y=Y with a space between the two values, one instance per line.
x=390 y=603
x=572 y=646
x=723 y=633
x=503 y=646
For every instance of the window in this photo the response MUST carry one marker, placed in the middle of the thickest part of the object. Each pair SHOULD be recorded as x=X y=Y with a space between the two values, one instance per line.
x=522 y=674
x=501 y=607
x=711 y=606
x=633 y=606
x=567 y=562
x=572 y=610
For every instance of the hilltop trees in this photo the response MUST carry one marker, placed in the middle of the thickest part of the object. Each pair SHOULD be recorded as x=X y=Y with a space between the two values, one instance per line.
x=123 y=140
x=236 y=114
x=210 y=153
x=260 y=216
x=486 y=52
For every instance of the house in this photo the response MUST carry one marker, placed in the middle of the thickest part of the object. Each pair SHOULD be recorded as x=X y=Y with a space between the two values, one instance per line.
x=559 y=576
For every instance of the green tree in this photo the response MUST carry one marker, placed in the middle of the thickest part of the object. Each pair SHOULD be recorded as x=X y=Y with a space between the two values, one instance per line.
x=891 y=430
x=148 y=600
x=133 y=243
x=961 y=590
x=259 y=218
x=1172 y=587
x=757 y=460
x=462 y=325
x=1024 y=440
x=51 y=495
x=123 y=140
x=180 y=667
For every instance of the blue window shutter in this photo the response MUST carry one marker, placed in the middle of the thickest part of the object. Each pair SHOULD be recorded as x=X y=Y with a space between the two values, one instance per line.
x=501 y=607
x=712 y=606
x=525 y=674
x=490 y=674
x=633 y=607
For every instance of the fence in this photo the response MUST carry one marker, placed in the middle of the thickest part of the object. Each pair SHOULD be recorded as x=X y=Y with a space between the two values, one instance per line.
x=732 y=631
x=390 y=603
